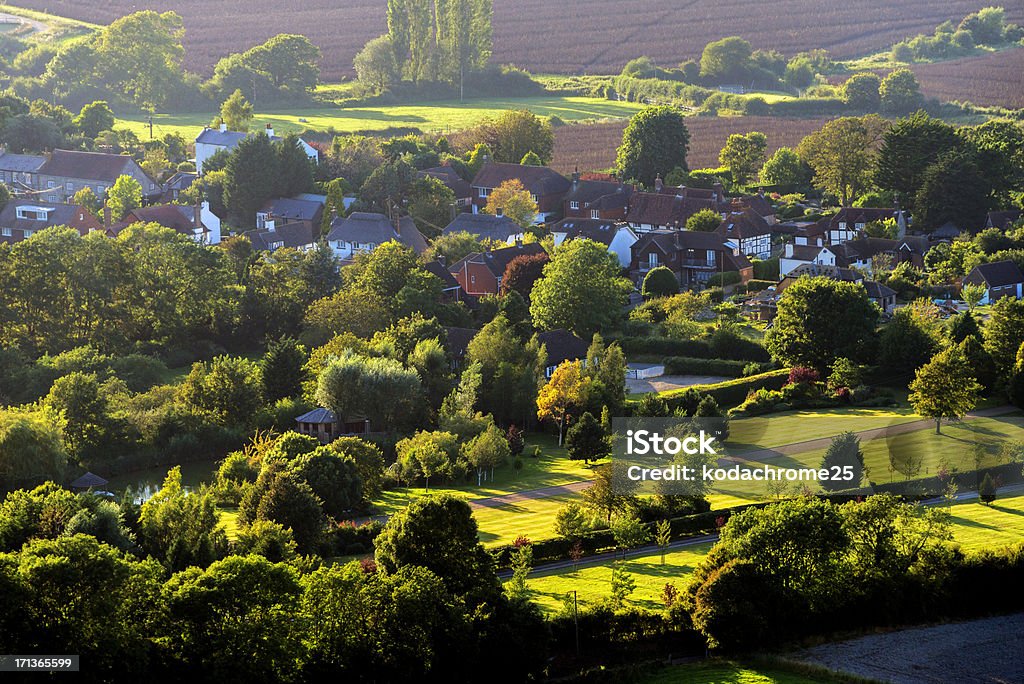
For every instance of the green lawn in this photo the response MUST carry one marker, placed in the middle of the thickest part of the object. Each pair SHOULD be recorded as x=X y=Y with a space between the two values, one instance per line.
x=728 y=672
x=442 y=116
x=593 y=583
x=229 y=521
x=534 y=519
x=979 y=526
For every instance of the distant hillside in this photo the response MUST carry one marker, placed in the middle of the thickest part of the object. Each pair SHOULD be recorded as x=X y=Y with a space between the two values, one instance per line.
x=591 y=36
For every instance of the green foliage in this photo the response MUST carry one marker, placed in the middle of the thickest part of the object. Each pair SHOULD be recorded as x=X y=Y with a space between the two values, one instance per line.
x=785 y=169
x=744 y=155
x=31 y=448
x=281 y=370
x=375 y=64
x=181 y=529
x=660 y=282
x=586 y=440
x=900 y=92
x=842 y=155
x=655 y=142
x=820 y=320
x=945 y=387
x=910 y=338
x=95 y=118
x=125 y=195
x=705 y=220
x=518 y=133
x=379 y=388
x=861 y=92
x=227 y=390
x=267 y=539
x=726 y=60
x=333 y=477
x=236 y=112
x=843 y=453
x=1004 y=333
x=581 y=289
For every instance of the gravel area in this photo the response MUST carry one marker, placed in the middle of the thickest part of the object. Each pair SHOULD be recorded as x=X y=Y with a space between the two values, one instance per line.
x=986 y=650
x=664 y=383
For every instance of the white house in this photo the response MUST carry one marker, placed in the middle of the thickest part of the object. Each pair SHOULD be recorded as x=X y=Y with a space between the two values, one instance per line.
x=750 y=232
x=1000 y=279
x=211 y=141
x=363 y=232
x=796 y=256
x=617 y=237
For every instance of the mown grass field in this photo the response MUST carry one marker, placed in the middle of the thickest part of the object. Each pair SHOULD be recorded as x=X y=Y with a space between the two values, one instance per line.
x=729 y=672
x=441 y=116
x=976 y=526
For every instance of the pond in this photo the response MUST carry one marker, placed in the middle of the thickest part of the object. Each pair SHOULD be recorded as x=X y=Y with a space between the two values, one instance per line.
x=143 y=484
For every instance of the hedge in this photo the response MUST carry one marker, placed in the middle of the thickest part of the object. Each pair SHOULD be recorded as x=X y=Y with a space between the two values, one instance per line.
x=735 y=347
x=767 y=269
x=760 y=285
x=724 y=279
x=732 y=392
x=688 y=365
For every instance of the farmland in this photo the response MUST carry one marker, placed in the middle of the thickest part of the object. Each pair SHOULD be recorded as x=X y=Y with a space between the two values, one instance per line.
x=576 y=37
x=993 y=79
x=593 y=146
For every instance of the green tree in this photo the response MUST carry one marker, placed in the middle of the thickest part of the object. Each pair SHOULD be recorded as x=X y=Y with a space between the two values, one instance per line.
x=622 y=585
x=571 y=521
x=586 y=440
x=705 y=221
x=909 y=146
x=95 y=118
x=726 y=60
x=369 y=463
x=564 y=395
x=607 y=495
x=900 y=92
x=429 y=360
x=379 y=388
x=629 y=532
x=655 y=141
x=271 y=540
x=227 y=390
x=510 y=371
x=1004 y=333
x=375 y=64
x=295 y=167
x=440 y=534
x=430 y=205
x=234 y=619
x=581 y=289
x=786 y=170
x=910 y=338
x=281 y=496
x=945 y=387
x=333 y=477
x=78 y=399
x=488 y=450
x=972 y=295
x=660 y=282
x=954 y=189
x=516 y=133
x=251 y=177
x=845 y=373
x=236 y=112
x=281 y=370
x=842 y=155
x=820 y=320
x=663 y=537
x=181 y=529
x=842 y=458
x=744 y=155
x=140 y=55
x=31 y=448
x=125 y=195
x=88 y=199
x=465 y=37
x=861 y=92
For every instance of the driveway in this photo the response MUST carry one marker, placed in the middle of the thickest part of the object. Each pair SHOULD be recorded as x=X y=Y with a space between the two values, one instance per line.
x=664 y=383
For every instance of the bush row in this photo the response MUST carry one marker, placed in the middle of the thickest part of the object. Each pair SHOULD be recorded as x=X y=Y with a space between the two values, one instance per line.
x=735 y=348
x=688 y=365
x=732 y=392
x=725 y=278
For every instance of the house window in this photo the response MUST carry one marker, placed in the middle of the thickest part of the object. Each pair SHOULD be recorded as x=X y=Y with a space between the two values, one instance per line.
x=485 y=192
x=69 y=186
x=711 y=256
x=100 y=190
x=6 y=232
x=574 y=205
x=652 y=259
x=26 y=234
x=472 y=280
x=535 y=201
x=595 y=214
x=50 y=185
x=52 y=198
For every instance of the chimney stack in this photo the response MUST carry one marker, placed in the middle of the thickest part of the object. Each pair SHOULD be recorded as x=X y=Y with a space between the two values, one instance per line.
x=270 y=131
x=659 y=184
x=197 y=215
x=442 y=260
x=499 y=212
x=223 y=127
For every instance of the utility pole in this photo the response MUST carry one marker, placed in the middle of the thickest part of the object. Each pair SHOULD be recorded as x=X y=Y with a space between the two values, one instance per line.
x=150 y=126
x=576 y=620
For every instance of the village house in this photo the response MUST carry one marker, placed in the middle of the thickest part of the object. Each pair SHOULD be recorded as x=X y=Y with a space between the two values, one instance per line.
x=363 y=232
x=1003 y=220
x=21 y=219
x=451 y=291
x=177 y=184
x=486 y=227
x=748 y=230
x=617 y=237
x=849 y=222
x=1000 y=279
x=759 y=204
x=481 y=273
x=691 y=255
x=197 y=222
x=453 y=181
x=670 y=207
x=595 y=199
x=65 y=172
x=561 y=346
x=18 y=171
x=273 y=236
x=764 y=305
x=212 y=140
x=284 y=210
x=545 y=186
x=324 y=425
x=862 y=253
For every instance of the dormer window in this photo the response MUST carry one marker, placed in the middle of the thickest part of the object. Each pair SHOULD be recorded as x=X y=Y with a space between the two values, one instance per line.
x=574 y=205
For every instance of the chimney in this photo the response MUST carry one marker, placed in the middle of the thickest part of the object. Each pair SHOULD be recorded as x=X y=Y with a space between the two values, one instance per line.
x=223 y=127
x=658 y=184
x=499 y=212
x=398 y=225
x=575 y=178
x=719 y=192
x=197 y=215
x=442 y=260
x=269 y=224
x=270 y=131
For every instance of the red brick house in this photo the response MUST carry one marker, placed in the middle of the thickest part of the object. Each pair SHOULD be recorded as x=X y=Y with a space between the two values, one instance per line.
x=594 y=199
x=692 y=256
x=670 y=207
x=480 y=273
x=547 y=187
x=21 y=219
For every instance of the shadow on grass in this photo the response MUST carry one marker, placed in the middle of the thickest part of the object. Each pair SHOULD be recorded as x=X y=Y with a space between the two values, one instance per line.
x=957 y=520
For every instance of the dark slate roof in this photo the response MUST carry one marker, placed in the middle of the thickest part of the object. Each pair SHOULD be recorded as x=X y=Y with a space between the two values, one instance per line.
x=759 y=204
x=995 y=274
x=678 y=240
x=88 y=480
x=877 y=290
x=484 y=226
x=294 y=235
x=215 y=136
x=996 y=219
x=592 y=193
x=294 y=209
x=664 y=209
x=744 y=225
x=562 y=345
x=319 y=416
x=86 y=165
x=21 y=163
x=540 y=180
x=376 y=229
x=855 y=215
x=449 y=177
x=181 y=180
x=592 y=229
x=435 y=267
x=805 y=252
x=834 y=272
x=497 y=260
x=458 y=339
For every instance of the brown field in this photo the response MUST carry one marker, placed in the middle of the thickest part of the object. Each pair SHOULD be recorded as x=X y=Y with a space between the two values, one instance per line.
x=576 y=36
x=996 y=79
x=592 y=146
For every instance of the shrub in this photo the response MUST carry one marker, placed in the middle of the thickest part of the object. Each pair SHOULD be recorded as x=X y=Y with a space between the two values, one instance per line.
x=685 y=365
x=660 y=282
x=732 y=392
x=760 y=285
x=800 y=375
x=725 y=279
